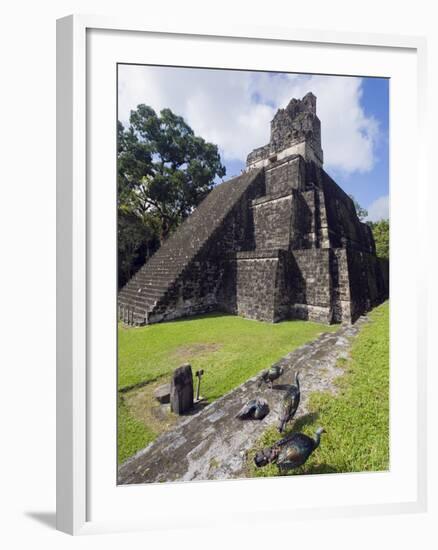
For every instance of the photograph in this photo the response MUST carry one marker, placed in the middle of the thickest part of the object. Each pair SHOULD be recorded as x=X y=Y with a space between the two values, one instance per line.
x=226 y=248
x=253 y=274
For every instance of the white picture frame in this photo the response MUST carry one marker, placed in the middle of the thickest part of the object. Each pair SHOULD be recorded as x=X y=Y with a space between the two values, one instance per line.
x=85 y=500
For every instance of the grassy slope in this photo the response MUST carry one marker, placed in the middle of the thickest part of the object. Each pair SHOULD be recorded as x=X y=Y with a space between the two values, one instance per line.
x=357 y=419
x=229 y=349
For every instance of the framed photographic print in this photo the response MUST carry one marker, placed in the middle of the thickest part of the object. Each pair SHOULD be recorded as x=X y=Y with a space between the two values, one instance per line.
x=236 y=277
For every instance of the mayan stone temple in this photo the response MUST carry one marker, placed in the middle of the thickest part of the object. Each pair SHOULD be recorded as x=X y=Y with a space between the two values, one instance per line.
x=280 y=241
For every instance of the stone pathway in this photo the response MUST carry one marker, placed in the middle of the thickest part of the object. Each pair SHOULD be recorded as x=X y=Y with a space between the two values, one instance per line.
x=212 y=444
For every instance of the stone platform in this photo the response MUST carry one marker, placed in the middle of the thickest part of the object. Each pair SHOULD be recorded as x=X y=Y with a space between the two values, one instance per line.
x=213 y=444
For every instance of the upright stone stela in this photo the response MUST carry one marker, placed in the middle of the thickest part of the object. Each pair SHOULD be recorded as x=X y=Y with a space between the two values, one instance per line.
x=181 y=390
x=281 y=241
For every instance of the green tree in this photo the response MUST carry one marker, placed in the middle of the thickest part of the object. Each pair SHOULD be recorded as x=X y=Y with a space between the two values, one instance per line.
x=163 y=172
x=137 y=240
x=380 y=231
x=164 y=169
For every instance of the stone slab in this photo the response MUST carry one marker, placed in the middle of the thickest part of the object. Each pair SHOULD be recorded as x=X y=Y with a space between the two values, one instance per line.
x=162 y=393
x=181 y=390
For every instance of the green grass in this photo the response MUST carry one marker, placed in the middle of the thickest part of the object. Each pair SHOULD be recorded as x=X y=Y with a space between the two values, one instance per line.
x=230 y=349
x=131 y=433
x=357 y=419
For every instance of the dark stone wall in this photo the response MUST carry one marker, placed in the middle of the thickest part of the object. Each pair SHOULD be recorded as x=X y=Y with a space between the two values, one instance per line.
x=344 y=227
x=367 y=282
x=309 y=234
x=257 y=285
x=283 y=286
x=249 y=285
x=341 y=297
x=384 y=270
x=279 y=285
x=294 y=220
x=311 y=285
x=322 y=285
x=285 y=175
x=255 y=288
x=302 y=222
x=272 y=220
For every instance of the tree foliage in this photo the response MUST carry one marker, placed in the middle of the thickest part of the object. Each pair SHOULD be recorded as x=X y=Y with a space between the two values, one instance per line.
x=164 y=170
x=380 y=231
x=137 y=240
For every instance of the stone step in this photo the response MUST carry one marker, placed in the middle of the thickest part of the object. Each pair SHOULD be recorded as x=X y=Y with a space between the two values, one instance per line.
x=151 y=268
x=146 y=280
x=168 y=265
x=161 y=281
x=150 y=293
x=150 y=290
x=138 y=305
x=131 y=315
x=153 y=275
x=172 y=255
x=171 y=267
x=145 y=303
x=129 y=297
x=158 y=279
x=155 y=285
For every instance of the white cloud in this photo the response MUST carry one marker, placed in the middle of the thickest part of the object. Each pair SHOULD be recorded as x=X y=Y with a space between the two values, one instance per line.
x=234 y=108
x=379 y=209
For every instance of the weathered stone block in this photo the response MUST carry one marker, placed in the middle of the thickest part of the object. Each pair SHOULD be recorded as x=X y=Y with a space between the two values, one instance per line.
x=181 y=390
x=162 y=393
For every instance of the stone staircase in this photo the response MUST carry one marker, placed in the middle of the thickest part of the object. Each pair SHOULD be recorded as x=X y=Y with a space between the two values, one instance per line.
x=149 y=286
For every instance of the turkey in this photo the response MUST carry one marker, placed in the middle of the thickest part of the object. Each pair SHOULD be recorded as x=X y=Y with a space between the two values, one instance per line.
x=255 y=408
x=290 y=403
x=271 y=374
x=290 y=452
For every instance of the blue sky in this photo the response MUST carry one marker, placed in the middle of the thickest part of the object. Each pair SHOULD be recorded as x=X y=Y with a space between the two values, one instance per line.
x=234 y=108
x=373 y=186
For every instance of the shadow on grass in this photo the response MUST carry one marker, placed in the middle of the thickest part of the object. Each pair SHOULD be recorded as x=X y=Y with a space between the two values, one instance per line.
x=197 y=407
x=310 y=470
x=322 y=469
x=212 y=315
x=303 y=421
